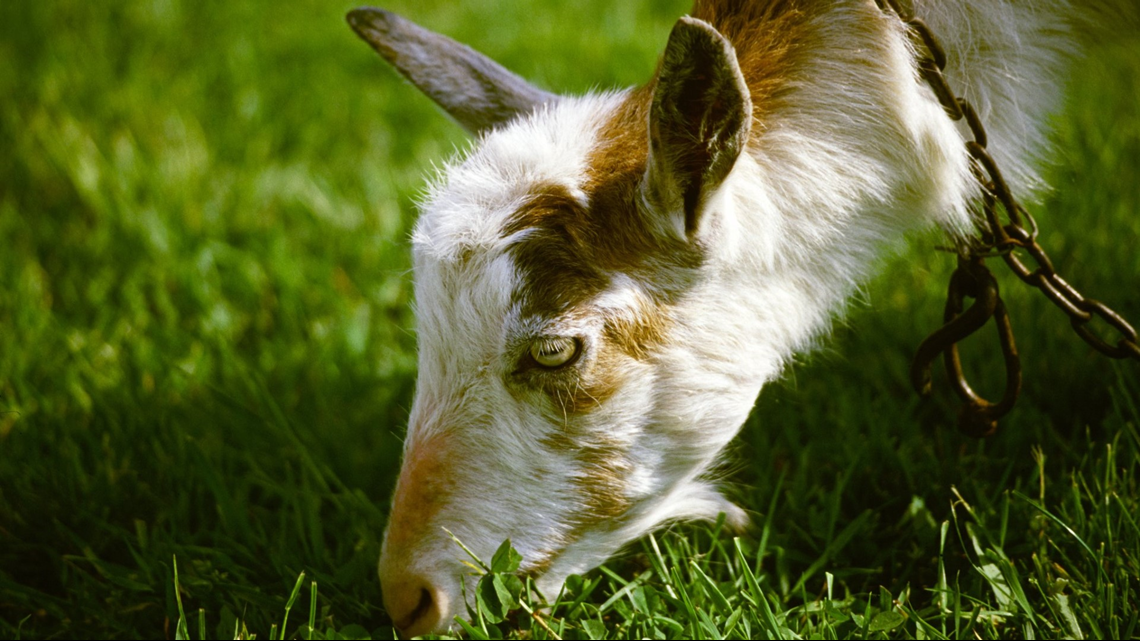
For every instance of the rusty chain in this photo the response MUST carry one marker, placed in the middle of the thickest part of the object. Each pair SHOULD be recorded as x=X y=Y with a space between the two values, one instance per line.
x=972 y=279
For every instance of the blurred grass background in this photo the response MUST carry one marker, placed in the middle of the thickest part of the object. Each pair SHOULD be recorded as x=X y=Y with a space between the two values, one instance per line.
x=206 y=336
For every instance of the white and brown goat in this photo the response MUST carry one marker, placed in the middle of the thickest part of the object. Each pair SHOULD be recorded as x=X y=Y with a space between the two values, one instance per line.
x=604 y=282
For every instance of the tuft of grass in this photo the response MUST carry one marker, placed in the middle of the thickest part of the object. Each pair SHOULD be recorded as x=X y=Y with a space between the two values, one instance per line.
x=207 y=354
x=1021 y=570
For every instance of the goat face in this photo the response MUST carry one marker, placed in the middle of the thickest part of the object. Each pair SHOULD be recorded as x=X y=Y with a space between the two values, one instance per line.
x=574 y=376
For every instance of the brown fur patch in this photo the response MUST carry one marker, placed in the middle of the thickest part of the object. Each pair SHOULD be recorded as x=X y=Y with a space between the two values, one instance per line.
x=601 y=489
x=637 y=336
x=424 y=486
x=556 y=258
x=616 y=166
x=765 y=36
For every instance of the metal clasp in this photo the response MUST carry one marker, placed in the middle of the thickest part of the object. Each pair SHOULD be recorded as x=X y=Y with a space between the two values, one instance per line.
x=977 y=417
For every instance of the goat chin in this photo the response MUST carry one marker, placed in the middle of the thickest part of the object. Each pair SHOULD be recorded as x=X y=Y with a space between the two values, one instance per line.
x=605 y=282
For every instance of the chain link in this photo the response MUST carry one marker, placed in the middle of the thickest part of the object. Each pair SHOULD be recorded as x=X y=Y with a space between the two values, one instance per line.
x=972 y=279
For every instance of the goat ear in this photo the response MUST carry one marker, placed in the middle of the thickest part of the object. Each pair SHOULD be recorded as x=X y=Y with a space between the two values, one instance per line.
x=475 y=90
x=698 y=123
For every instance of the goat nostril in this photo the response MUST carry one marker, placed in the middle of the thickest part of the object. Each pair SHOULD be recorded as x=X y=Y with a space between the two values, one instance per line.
x=426 y=603
x=415 y=606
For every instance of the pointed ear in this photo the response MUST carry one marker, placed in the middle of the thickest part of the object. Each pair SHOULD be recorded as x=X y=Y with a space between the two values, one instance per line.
x=475 y=90
x=698 y=123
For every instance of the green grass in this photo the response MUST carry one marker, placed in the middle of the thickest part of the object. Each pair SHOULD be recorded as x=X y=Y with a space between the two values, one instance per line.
x=207 y=354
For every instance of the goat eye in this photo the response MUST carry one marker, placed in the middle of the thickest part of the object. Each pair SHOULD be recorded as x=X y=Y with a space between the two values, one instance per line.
x=555 y=352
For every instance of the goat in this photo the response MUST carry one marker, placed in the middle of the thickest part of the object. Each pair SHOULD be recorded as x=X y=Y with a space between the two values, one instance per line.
x=604 y=282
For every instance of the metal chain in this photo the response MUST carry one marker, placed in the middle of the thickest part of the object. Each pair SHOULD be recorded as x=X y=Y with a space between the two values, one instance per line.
x=972 y=279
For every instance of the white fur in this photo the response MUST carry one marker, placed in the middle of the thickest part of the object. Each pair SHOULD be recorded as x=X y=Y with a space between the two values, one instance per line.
x=849 y=161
